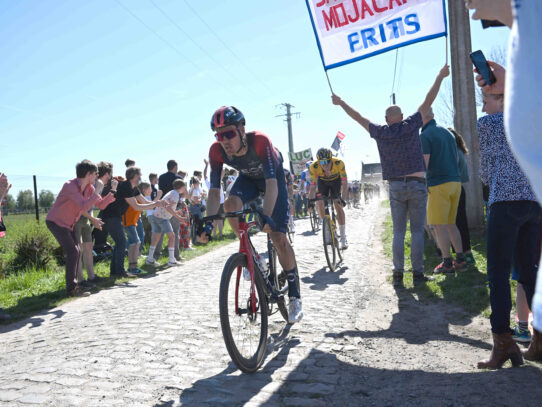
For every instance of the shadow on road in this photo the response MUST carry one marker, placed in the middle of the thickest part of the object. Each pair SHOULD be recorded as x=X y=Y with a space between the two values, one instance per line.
x=219 y=389
x=419 y=323
x=322 y=278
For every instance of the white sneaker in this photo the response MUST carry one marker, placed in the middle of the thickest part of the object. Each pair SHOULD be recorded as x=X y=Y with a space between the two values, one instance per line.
x=246 y=274
x=344 y=243
x=151 y=262
x=295 y=310
x=173 y=263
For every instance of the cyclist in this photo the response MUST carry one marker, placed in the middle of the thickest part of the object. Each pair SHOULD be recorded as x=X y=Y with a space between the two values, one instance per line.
x=260 y=171
x=328 y=176
x=290 y=187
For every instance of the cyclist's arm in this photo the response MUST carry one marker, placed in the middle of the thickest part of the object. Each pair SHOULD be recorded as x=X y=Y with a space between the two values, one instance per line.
x=270 y=198
x=312 y=191
x=213 y=201
x=216 y=163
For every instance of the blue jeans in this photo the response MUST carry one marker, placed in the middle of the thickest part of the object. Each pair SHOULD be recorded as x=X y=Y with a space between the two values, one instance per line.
x=141 y=233
x=114 y=227
x=408 y=200
x=132 y=236
x=512 y=231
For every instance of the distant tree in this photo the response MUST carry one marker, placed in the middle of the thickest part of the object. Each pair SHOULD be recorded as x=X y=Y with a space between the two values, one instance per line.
x=10 y=203
x=46 y=199
x=25 y=200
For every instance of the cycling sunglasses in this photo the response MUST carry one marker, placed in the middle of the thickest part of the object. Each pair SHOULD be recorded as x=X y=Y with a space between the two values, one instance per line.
x=226 y=135
x=324 y=162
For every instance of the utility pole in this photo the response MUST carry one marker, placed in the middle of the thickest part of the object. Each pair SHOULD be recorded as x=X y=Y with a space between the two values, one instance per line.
x=288 y=120
x=465 y=104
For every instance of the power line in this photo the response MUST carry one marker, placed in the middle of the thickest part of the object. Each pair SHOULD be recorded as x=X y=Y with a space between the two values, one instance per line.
x=169 y=44
x=239 y=60
x=197 y=45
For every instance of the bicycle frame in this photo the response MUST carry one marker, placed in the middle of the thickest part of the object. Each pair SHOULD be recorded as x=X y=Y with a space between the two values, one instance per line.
x=246 y=247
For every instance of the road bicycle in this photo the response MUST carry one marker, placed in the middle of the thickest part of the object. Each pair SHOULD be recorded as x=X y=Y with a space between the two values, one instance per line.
x=250 y=287
x=334 y=255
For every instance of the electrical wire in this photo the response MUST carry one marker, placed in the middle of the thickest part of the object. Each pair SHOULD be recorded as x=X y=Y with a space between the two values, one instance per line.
x=221 y=66
x=238 y=59
x=170 y=45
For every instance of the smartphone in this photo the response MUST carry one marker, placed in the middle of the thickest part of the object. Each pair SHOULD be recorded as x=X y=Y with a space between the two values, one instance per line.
x=480 y=63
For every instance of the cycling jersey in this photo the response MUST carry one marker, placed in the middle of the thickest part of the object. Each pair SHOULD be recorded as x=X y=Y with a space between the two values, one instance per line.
x=260 y=162
x=337 y=171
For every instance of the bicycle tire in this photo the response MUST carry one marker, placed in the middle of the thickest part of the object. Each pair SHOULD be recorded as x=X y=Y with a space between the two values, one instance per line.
x=313 y=221
x=193 y=230
x=329 y=247
x=247 y=365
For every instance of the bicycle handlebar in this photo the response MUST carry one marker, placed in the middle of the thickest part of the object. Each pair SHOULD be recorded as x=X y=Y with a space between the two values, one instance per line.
x=328 y=198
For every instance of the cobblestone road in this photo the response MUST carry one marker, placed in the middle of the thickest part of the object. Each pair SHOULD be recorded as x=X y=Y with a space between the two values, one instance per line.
x=157 y=342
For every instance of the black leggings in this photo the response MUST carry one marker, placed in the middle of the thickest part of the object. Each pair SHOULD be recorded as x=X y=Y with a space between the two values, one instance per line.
x=461 y=221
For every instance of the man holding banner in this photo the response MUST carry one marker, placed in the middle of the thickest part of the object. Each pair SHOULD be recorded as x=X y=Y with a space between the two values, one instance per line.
x=403 y=165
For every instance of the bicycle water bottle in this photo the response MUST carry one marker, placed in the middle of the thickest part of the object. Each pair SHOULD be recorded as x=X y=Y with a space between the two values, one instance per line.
x=262 y=264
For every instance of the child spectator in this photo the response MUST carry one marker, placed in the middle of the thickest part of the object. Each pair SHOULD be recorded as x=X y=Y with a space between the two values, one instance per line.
x=162 y=225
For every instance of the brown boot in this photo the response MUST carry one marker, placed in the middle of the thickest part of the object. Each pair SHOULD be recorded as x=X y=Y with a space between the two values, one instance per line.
x=534 y=351
x=504 y=348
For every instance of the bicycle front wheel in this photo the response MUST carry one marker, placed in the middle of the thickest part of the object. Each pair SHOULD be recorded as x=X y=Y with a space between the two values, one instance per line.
x=244 y=331
x=329 y=243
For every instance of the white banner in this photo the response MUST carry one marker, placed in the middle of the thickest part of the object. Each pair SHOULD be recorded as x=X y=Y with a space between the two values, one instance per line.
x=349 y=30
x=299 y=160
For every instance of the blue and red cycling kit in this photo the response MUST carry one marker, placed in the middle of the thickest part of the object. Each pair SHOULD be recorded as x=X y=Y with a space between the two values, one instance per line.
x=261 y=162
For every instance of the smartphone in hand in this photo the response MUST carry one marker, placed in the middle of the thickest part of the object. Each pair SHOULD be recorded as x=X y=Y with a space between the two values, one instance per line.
x=480 y=63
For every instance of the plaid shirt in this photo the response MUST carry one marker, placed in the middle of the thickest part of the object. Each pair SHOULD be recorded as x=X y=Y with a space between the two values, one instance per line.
x=400 y=147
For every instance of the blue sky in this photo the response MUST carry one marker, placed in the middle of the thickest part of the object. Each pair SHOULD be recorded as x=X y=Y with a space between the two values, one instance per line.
x=111 y=79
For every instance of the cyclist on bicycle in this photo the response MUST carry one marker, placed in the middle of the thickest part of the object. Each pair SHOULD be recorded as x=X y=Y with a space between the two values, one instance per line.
x=328 y=176
x=260 y=171
x=290 y=187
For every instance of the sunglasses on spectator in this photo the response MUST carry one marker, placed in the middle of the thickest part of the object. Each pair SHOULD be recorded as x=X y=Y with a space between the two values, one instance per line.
x=226 y=135
x=324 y=162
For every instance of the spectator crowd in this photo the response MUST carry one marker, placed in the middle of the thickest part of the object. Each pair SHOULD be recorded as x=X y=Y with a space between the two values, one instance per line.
x=424 y=164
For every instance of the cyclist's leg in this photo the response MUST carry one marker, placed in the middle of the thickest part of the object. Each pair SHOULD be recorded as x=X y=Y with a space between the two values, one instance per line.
x=244 y=190
x=322 y=188
x=285 y=251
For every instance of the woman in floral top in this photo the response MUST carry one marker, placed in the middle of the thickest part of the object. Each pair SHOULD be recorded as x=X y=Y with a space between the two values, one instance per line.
x=514 y=216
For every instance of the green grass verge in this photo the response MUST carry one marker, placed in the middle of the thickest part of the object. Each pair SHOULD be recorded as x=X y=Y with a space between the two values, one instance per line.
x=29 y=291
x=470 y=289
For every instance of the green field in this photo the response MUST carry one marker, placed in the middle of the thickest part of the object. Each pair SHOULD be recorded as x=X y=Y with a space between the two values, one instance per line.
x=469 y=289
x=24 y=291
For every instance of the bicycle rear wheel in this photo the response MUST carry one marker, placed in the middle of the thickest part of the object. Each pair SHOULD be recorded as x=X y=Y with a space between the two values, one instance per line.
x=313 y=221
x=245 y=332
x=329 y=244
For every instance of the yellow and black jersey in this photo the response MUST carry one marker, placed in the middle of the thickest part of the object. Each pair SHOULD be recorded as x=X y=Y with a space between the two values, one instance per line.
x=337 y=171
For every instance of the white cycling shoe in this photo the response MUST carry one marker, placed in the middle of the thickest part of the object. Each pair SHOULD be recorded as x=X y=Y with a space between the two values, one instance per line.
x=246 y=274
x=295 y=310
x=344 y=244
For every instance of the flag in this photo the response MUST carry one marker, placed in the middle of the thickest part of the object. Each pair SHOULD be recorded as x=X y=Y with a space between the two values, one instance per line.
x=337 y=142
x=347 y=31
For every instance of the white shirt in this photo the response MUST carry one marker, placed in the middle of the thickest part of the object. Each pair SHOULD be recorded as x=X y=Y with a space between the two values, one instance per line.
x=523 y=105
x=150 y=212
x=171 y=197
x=208 y=183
